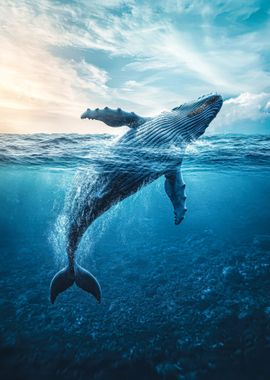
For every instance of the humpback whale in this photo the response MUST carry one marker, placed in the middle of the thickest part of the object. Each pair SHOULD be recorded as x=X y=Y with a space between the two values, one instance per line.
x=152 y=147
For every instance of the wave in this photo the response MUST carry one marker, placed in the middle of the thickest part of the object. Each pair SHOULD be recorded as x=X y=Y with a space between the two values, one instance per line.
x=74 y=151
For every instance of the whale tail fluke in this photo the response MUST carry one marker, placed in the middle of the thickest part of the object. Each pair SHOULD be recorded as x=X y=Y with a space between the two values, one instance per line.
x=61 y=281
x=86 y=281
x=66 y=277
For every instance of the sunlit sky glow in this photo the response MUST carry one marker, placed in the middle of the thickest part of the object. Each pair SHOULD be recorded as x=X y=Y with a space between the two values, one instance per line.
x=60 y=57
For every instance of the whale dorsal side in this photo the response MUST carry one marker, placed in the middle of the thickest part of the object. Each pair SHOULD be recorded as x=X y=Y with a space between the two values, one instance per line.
x=115 y=118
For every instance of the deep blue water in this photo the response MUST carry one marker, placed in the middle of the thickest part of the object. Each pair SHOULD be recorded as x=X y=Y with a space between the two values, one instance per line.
x=185 y=302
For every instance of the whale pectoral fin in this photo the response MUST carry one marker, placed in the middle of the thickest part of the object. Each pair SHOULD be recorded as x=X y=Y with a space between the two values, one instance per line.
x=175 y=189
x=115 y=118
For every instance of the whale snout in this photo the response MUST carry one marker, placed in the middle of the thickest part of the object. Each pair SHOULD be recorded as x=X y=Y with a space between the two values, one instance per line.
x=217 y=99
x=214 y=98
x=212 y=105
x=213 y=101
x=206 y=107
x=217 y=104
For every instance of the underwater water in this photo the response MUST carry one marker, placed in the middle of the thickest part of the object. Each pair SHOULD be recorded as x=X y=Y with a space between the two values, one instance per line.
x=187 y=302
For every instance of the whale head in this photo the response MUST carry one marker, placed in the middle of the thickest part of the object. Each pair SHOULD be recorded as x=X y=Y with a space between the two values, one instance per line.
x=194 y=117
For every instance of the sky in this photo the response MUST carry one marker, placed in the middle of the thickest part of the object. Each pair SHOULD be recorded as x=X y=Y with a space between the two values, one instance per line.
x=60 y=57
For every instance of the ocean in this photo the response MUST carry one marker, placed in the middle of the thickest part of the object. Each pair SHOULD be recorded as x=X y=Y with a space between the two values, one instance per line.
x=188 y=302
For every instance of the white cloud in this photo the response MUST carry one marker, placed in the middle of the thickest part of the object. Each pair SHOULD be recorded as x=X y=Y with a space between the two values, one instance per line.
x=155 y=47
x=39 y=91
x=245 y=107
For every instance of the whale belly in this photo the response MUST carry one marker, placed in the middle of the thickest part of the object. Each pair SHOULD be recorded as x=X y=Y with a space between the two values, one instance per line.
x=108 y=189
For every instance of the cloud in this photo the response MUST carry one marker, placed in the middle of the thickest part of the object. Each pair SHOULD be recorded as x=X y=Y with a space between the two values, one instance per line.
x=38 y=90
x=246 y=107
x=155 y=55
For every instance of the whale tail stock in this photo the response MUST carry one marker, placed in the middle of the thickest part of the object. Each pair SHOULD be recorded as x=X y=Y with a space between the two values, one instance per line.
x=66 y=277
